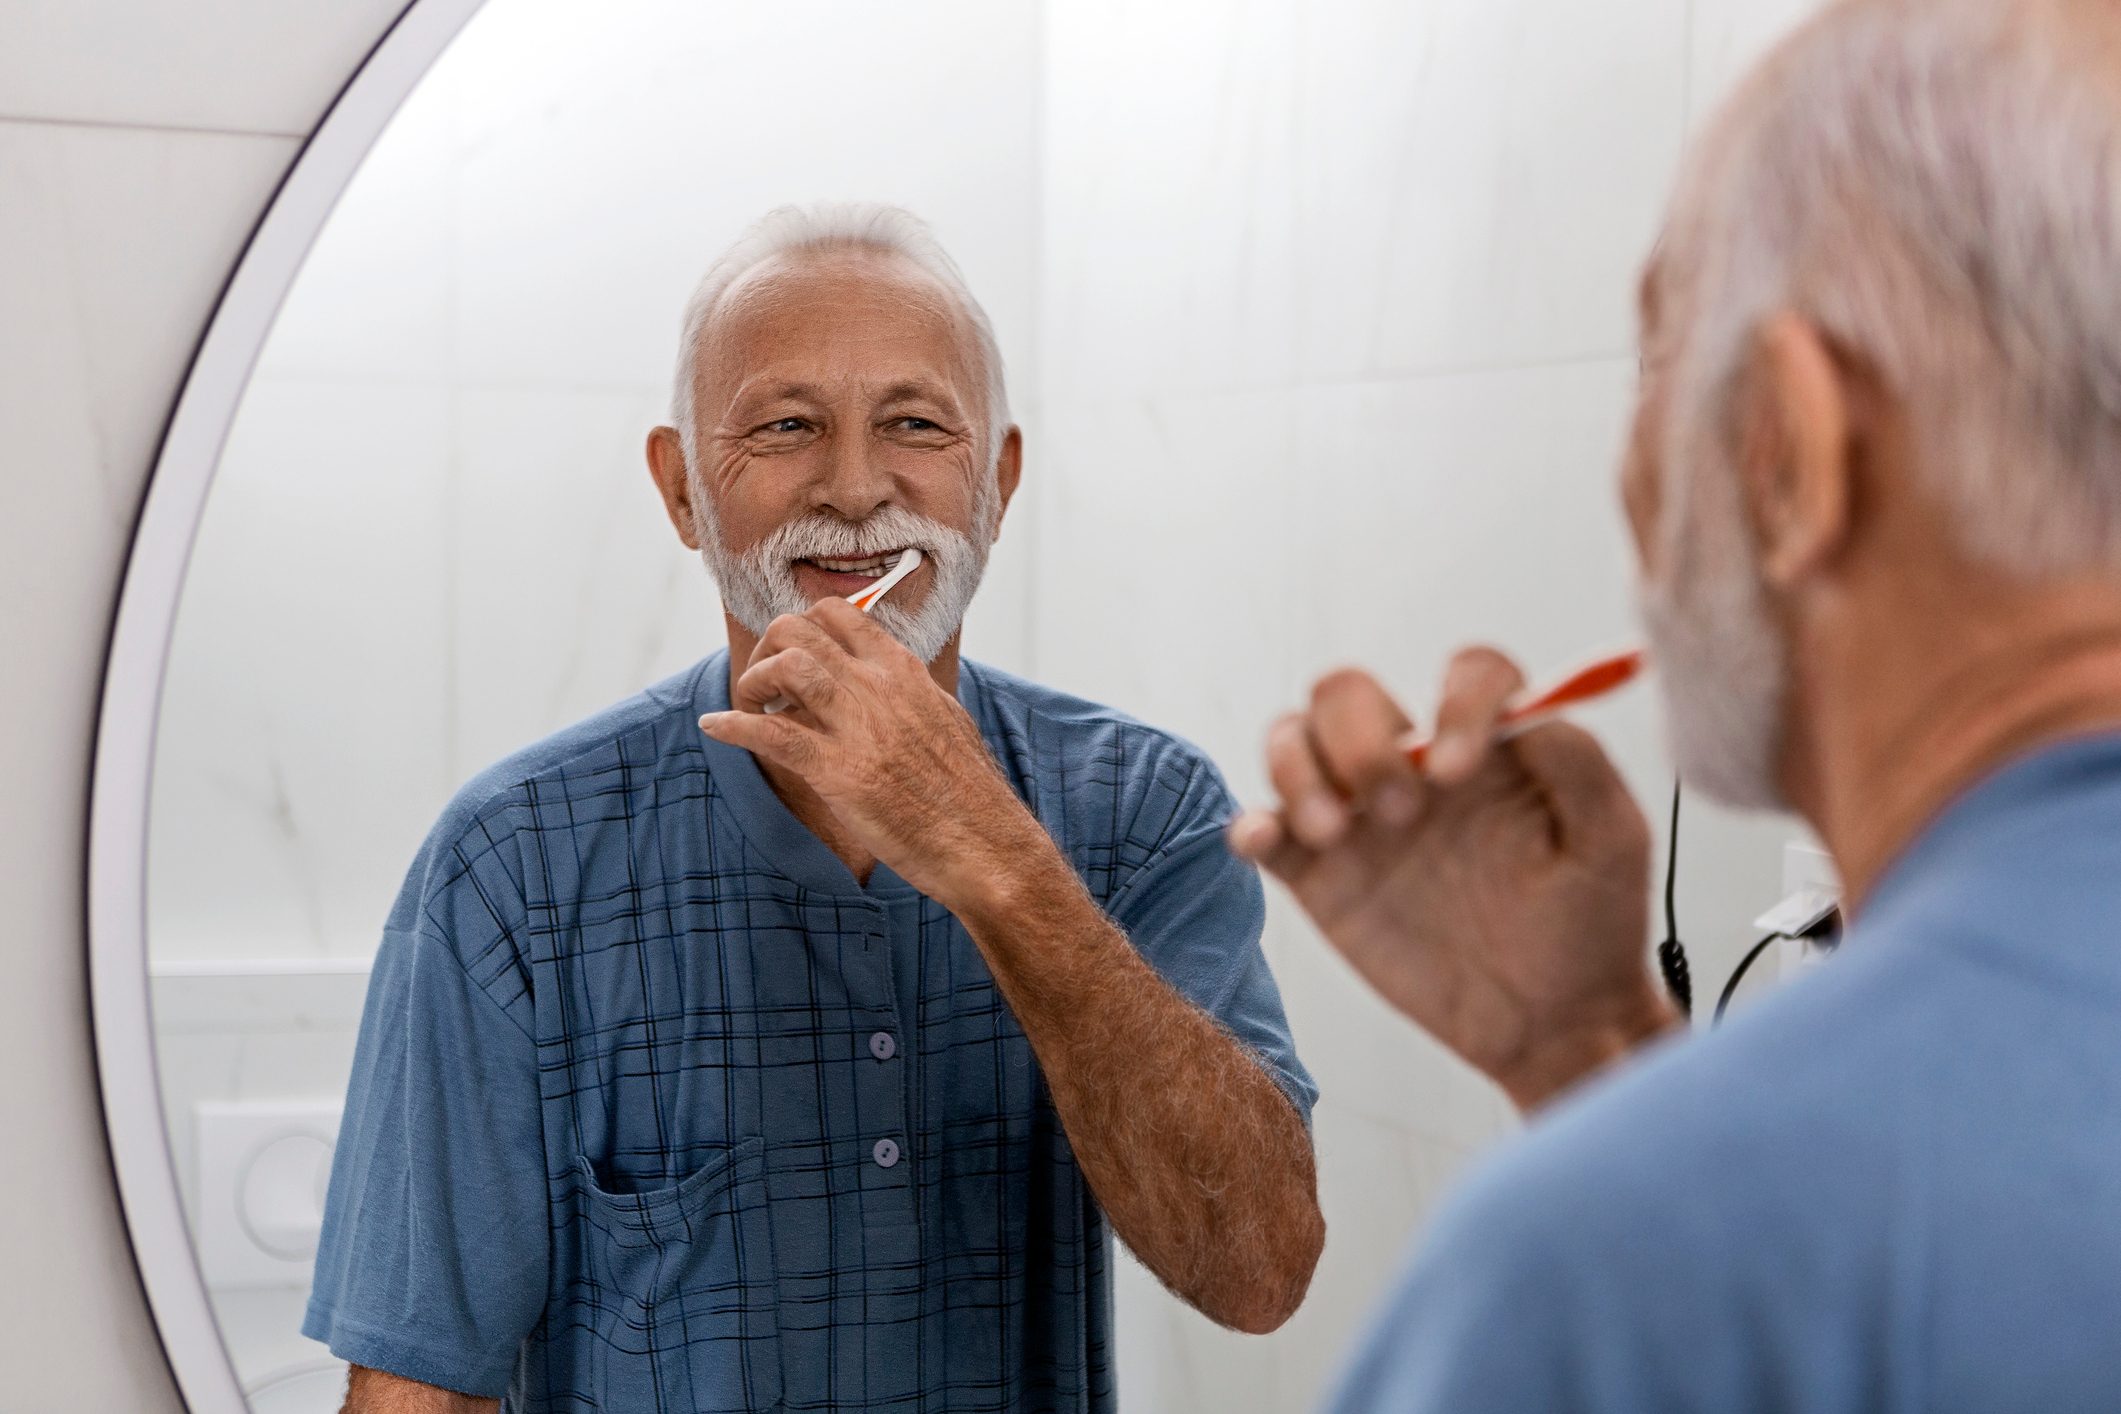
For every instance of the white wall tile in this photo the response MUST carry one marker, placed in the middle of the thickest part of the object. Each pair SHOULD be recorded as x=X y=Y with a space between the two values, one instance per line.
x=998 y=627
x=104 y=332
x=568 y=588
x=193 y=1066
x=250 y=65
x=1480 y=178
x=1167 y=581
x=301 y=748
x=1477 y=507
x=589 y=207
x=294 y=1065
x=1171 y=256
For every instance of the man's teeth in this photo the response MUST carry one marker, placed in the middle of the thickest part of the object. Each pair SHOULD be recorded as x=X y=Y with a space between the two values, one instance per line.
x=875 y=564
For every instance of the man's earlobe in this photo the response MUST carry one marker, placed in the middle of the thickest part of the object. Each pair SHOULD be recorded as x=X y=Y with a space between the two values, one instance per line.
x=1009 y=467
x=666 y=463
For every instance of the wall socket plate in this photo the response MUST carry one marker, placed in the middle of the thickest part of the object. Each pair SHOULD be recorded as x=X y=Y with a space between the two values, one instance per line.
x=1804 y=867
x=263 y=1165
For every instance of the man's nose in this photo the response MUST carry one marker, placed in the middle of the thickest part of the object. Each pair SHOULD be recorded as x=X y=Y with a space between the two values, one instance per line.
x=855 y=483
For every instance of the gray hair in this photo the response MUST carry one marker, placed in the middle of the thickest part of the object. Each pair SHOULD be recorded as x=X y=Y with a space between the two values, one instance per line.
x=1936 y=186
x=838 y=226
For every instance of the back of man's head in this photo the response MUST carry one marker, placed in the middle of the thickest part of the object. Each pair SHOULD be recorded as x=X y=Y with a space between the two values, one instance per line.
x=1935 y=186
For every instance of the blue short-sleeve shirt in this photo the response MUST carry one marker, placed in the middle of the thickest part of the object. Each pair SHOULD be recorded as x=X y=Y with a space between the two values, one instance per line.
x=656 y=1108
x=1892 y=1188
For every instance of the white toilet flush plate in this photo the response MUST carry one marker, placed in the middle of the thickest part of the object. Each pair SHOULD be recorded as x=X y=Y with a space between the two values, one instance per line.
x=263 y=1167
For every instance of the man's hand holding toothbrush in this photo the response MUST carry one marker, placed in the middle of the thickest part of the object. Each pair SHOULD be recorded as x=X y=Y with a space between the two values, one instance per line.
x=896 y=758
x=1496 y=893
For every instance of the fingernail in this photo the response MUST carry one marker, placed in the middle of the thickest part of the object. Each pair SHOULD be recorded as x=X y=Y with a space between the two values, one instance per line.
x=1451 y=754
x=709 y=720
x=1319 y=820
x=1397 y=804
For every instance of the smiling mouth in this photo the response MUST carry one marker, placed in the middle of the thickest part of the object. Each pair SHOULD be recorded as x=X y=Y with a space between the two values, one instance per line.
x=871 y=565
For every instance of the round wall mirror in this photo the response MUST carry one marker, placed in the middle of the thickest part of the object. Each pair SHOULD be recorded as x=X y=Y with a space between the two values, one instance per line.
x=1316 y=320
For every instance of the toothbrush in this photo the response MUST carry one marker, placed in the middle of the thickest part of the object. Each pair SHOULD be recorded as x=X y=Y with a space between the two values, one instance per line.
x=1585 y=684
x=866 y=599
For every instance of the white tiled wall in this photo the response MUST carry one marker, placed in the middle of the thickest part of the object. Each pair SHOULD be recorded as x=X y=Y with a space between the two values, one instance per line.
x=1319 y=322
x=118 y=226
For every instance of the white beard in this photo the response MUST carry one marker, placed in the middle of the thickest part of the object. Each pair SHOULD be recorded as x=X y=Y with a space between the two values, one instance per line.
x=758 y=585
x=1723 y=669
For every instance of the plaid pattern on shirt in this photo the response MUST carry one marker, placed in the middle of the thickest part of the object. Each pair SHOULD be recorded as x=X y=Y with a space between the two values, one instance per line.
x=655 y=1108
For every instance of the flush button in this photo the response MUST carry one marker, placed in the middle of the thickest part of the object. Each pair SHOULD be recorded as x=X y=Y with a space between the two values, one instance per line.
x=882 y=1046
x=886 y=1152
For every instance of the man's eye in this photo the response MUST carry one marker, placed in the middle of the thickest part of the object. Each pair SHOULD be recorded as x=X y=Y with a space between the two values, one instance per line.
x=919 y=424
x=784 y=424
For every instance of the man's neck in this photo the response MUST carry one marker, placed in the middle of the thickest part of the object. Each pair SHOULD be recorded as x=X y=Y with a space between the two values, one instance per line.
x=804 y=803
x=1901 y=728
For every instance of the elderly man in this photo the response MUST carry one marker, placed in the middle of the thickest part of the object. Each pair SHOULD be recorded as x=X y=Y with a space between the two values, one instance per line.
x=1875 y=482
x=727 y=1058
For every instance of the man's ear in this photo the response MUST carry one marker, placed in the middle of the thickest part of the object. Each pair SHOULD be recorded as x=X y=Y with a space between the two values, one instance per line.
x=1796 y=452
x=1009 y=469
x=666 y=463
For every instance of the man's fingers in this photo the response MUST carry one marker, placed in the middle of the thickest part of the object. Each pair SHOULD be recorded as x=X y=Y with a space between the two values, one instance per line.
x=1589 y=800
x=1357 y=730
x=853 y=630
x=794 y=674
x=774 y=739
x=798 y=631
x=1477 y=689
x=1260 y=836
x=1314 y=811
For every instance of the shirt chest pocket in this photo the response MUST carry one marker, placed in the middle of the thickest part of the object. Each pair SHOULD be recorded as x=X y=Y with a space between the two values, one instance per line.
x=675 y=1306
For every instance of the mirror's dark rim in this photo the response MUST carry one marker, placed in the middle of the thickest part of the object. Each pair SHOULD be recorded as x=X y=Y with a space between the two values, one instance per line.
x=121 y=770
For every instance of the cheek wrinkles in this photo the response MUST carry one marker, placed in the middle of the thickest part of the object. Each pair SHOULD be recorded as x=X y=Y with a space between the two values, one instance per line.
x=733 y=461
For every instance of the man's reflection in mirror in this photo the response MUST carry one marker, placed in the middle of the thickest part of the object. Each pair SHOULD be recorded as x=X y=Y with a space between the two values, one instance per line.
x=727 y=1058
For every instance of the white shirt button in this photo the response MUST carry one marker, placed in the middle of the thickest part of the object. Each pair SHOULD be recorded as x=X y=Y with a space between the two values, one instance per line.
x=886 y=1153
x=882 y=1046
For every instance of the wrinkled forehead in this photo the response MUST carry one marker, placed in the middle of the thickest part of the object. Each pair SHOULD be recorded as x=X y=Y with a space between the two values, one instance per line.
x=868 y=316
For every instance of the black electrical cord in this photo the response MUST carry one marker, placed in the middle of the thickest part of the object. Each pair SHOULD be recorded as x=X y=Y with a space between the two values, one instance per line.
x=1730 y=988
x=1671 y=953
x=1824 y=934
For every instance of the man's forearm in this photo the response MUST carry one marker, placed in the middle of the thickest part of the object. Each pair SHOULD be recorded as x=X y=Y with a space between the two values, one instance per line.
x=1202 y=1164
x=378 y=1392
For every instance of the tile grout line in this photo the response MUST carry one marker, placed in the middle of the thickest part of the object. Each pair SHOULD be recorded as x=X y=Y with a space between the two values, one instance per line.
x=30 y=120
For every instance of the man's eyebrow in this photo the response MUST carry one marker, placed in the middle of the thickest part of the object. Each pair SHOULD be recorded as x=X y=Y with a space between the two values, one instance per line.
x=912 y=389
x=774 y=392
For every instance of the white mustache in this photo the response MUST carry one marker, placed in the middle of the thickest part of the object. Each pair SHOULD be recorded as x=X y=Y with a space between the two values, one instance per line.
x=828 y=537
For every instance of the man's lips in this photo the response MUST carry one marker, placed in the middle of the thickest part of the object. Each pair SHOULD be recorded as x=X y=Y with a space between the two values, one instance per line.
x=845 y=576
